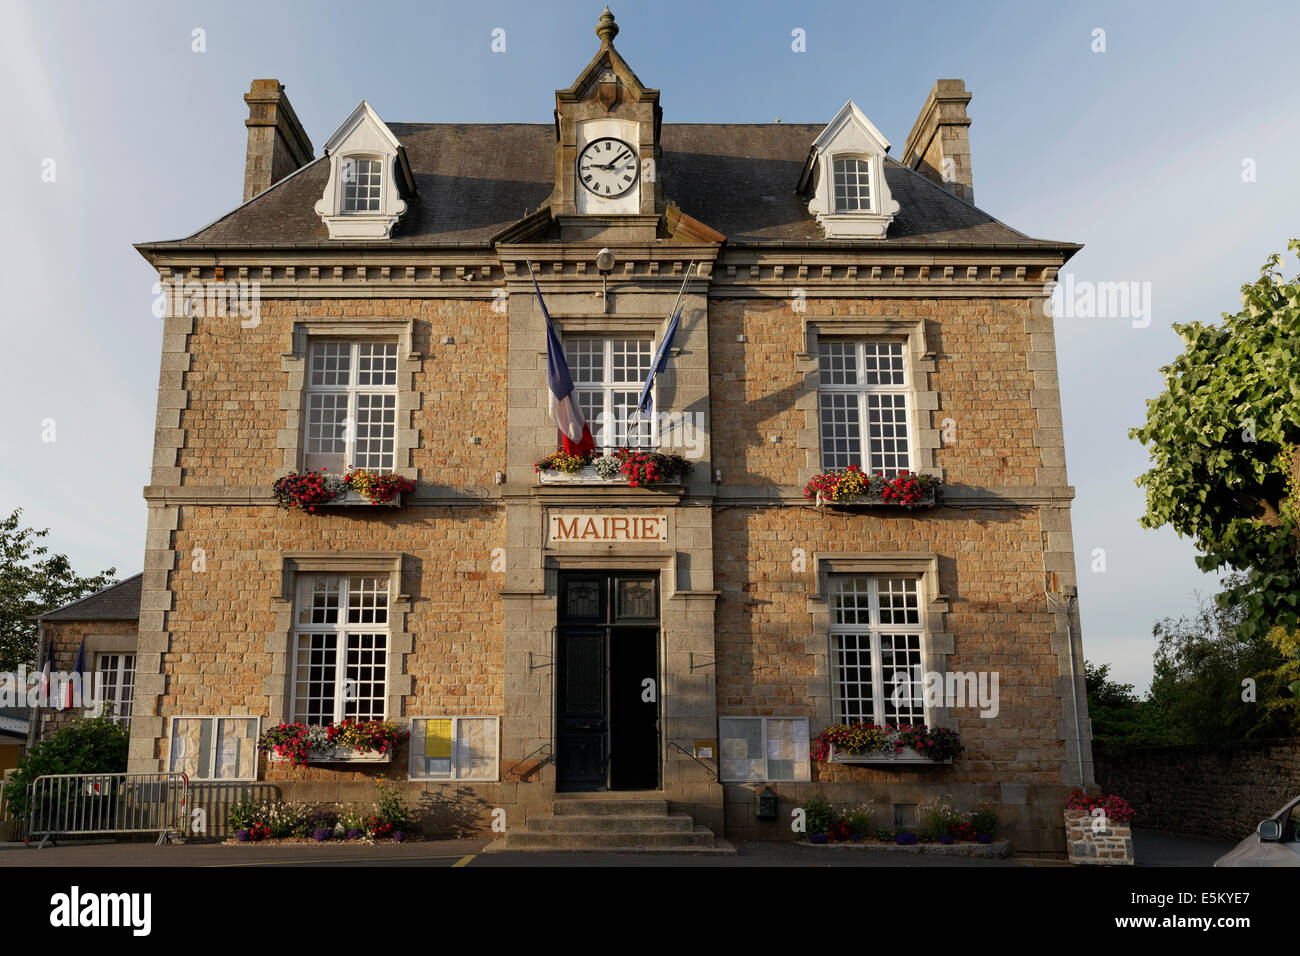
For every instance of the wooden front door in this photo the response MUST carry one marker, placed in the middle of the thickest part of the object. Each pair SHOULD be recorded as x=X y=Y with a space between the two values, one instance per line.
x=608 y=681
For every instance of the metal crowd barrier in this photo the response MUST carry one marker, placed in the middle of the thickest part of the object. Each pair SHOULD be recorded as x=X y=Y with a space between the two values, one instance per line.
x=100 y=804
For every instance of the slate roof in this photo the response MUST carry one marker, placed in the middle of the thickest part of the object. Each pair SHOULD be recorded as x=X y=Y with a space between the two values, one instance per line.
x=475 y=179
x=117 y=602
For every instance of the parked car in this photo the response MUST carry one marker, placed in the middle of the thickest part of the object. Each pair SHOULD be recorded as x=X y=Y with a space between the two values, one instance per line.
x=1275 y=843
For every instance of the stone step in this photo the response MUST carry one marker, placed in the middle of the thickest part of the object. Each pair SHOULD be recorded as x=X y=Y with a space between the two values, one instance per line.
x=622 y=841
x=719 y=848
x=611 y=823
x=571 y=807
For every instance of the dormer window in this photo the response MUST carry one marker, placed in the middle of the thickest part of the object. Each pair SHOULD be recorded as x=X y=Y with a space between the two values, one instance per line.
x=844 y=178
x=362 y=181
x=852 y=185
x=370 y=179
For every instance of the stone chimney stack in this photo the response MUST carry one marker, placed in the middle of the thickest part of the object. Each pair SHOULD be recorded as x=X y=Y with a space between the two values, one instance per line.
x=939 y=146
x=277 y=145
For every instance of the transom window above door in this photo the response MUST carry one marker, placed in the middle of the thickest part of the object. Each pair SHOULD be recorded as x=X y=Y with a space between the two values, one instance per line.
x=608 y=374
x=864 y=406
x=351 y=413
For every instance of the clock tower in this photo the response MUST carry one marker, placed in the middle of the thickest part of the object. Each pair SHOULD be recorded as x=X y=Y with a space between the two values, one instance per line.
x=607 y=150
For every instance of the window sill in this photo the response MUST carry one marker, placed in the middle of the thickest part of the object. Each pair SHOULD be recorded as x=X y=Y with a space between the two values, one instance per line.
x=586 y=475
x=908 y=756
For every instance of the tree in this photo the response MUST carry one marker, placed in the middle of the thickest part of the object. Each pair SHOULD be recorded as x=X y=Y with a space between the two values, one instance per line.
x=1223 y=440
x=1213 y=683
x=1116 y=713
x=32 y=583
x=87 y=745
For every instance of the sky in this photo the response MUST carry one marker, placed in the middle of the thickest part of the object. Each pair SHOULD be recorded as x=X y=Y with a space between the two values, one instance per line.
x=1167 y=145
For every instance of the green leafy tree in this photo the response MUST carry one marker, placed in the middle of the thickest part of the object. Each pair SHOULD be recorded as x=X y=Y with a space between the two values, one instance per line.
x=1223 y=440
x=32 y=581
x=1201 y=664
x=1117 y=714
x=87 y=745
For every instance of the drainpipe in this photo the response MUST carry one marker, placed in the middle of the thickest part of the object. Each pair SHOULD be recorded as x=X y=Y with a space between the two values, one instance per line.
x=1074 y=689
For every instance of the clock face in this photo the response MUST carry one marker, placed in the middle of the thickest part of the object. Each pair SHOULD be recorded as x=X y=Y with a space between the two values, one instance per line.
x=607 y=167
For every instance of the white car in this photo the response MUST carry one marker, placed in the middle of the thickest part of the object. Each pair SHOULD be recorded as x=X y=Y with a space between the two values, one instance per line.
x=1275 y=843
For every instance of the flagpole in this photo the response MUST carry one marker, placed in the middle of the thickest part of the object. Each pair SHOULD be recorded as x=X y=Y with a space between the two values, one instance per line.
x=680 y=292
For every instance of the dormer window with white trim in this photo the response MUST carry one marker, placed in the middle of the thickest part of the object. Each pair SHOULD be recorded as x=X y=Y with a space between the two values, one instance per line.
x=362 y=185
x=844 y=178
x=369 y=179
x=852 y=185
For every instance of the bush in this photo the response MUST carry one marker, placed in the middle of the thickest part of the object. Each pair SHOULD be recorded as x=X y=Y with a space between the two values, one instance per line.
x=984 y=820
x=390 y=807
x=818 y=815
x=860 y=822
x=87 y=745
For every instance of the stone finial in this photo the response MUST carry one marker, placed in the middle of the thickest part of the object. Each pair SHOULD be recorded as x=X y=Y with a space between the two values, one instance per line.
x=606 y=29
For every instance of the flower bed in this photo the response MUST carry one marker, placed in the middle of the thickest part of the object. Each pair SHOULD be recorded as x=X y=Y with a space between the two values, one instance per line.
x=939 y=829
x=633 y=467
x=888 y=743
x=370 y=741
x=277 y=821
x=853 y=486
x=310 y=490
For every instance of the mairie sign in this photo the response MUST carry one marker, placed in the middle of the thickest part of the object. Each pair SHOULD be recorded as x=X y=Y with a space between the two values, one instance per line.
x=600 y=529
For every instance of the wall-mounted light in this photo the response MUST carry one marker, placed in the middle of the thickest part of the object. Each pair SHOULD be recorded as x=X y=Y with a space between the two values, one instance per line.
x=501 y=478
x=604 y=265
x=476 y=440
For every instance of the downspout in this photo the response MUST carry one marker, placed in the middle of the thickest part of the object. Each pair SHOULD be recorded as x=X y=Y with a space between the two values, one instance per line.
x=1074 y=689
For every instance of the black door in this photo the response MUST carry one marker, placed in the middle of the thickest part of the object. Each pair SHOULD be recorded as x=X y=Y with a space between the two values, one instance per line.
x=608 y=681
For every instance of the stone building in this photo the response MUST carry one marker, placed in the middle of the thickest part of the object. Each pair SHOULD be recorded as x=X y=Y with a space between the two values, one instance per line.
x=553 y=640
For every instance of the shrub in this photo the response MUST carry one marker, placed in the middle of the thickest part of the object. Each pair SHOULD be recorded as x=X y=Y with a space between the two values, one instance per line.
x=860 y=822
x=940 y=821
x=390 y=807
x=984 y=820
x=87 y=745
x=817 y=814
x=321 y=834
x=243 y=836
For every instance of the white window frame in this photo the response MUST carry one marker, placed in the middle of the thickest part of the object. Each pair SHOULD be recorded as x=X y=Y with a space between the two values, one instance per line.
x=454 y=775
x=350 y=163
x=864 y=392
x=865 y=169
x=767 y=760
x=341 y=629
x=212 y=763
x=873 y=630
x=118 y=685
x=353 y=391
x=607 y=387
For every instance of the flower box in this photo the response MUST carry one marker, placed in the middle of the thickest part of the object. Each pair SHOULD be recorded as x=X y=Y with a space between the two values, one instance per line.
x=875 y=501
x=339 y=755
x=351 y=498
x=906 y=756
x=1090 y=845
x=586 y=476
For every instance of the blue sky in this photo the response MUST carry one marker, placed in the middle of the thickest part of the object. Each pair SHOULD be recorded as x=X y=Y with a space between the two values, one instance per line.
x=1136 y=152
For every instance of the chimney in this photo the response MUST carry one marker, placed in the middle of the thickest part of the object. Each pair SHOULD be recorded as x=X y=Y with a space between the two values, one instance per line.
x=277 y=145
x=939 y=147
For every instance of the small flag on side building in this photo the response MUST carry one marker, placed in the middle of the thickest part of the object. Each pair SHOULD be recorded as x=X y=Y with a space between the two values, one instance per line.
x=646 y=404
x=562 y=400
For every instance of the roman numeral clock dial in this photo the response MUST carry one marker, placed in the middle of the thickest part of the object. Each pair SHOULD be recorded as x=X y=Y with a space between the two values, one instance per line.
x=607 y=167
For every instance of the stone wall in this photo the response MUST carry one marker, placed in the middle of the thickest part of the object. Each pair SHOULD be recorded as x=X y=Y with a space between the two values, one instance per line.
x=1216 y=790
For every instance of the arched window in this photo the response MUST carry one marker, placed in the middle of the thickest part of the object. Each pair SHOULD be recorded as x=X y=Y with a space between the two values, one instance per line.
x=852 y=185
x=362 y=182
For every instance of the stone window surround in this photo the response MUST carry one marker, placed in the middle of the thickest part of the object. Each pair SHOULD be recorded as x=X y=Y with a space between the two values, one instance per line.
x=922 y=399
x=277 y=685
x=936 y=643
x=293 y=399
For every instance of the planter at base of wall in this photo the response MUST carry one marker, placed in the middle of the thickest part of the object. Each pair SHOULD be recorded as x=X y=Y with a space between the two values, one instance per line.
x=907 y=756
x=1112 y=846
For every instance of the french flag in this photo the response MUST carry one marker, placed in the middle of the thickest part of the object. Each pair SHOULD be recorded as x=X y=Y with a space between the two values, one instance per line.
x=562 y=400
x=77 y=668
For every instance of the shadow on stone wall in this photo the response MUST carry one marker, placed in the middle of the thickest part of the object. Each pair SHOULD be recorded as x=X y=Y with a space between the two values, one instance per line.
x=451 y=812
x=215 y=799
x=1217 y=790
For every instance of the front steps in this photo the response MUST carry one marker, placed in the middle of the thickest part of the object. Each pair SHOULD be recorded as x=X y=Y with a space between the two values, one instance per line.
x=600 y=823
